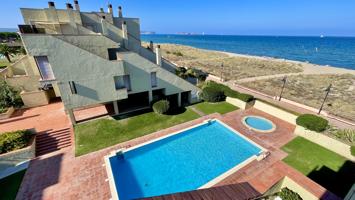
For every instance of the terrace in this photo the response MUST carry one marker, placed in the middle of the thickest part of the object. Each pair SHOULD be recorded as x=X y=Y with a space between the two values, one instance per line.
x=54 y=172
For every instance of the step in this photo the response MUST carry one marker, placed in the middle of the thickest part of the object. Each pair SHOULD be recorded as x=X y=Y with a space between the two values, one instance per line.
x=57 y=132
x=54 y=144
x=49 y=150
x=50 y=138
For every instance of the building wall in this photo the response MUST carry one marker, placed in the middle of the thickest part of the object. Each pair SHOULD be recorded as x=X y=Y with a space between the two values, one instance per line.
x=92 y=74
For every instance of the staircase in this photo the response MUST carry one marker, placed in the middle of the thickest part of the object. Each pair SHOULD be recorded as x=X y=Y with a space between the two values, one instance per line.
x=47 y=142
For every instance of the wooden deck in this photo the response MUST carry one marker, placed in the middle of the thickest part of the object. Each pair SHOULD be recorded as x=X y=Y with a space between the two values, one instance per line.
x=240 y=191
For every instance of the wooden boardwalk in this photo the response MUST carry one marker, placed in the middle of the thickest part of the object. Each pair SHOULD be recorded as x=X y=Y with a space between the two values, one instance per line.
x=240 y=191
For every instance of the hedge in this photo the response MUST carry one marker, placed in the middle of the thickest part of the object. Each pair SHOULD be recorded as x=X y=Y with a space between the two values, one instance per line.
x=352 y=149
x=229 y=92
x=211 y=94
x=161 y=106
x=11 y=141
x=312 y=122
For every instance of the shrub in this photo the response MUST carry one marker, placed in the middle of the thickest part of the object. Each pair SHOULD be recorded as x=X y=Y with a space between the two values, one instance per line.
x=161 y=106
x=352 y=149
x=312 y=122
x=9 y=96
x=178 y=53
x=211 y=94
x=229 y=92
x=10 y=141
x=287 y=194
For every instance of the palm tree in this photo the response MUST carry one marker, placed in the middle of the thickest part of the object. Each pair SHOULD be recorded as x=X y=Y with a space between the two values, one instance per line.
x=8 y=51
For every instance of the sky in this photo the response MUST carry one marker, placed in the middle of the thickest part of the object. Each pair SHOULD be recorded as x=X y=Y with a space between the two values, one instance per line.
x=232 y=17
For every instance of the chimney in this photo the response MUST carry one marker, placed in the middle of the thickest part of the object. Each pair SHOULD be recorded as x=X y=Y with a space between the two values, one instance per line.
x=151 y=46
x=158 y=55
x=102 y=10
x=120 y=12
x=76 y=5
x=110 y=9
x=69 y=6
x=51 y=5
x=125 y=34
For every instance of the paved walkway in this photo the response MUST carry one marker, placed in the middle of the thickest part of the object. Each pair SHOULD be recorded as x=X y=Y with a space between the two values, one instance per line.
x=61 y=175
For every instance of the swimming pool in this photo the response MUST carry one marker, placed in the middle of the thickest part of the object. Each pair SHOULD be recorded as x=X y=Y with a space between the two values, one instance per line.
x=260 y=124
x=190 y=159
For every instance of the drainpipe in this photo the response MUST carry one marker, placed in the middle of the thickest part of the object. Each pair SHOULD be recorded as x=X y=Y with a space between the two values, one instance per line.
x=125 y=34
x=120 y=12
x=76 y=5
x=158 y=55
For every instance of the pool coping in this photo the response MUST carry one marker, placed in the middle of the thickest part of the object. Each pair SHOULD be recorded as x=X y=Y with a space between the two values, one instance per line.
x=262 y=154
x=258 y=130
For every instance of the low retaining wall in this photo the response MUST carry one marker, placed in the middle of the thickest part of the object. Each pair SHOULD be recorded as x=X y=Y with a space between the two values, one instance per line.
x=11 y=161
x=325 y=141
x=8 y=113
x=277 y=112
x=35 y=98
x=239 y=103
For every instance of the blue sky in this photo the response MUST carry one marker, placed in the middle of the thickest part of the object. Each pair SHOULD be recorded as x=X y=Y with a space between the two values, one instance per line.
x=237 y=17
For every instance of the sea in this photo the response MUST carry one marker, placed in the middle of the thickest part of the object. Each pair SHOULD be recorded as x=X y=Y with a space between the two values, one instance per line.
x=322 y=50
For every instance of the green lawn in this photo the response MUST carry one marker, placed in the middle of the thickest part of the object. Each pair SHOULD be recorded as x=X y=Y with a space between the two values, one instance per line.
x=10 y=185
x=220 y=107
x=3 y=63
x=98 y=134
x=325 y=167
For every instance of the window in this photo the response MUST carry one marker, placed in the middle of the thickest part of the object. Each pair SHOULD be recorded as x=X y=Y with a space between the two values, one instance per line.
x=122 y=82
x=153 y=79
x=44 y=68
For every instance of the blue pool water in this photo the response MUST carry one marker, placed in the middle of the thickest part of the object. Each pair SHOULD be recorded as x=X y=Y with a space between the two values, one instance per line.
x=181 y=162
x=259 y=123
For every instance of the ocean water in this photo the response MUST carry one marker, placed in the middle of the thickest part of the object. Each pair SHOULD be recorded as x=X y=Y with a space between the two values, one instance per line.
x=333 y=51
x=181 y=162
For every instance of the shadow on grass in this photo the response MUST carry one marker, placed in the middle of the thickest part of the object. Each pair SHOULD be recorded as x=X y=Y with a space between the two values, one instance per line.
x=176 y=111
x=132 y=114
x=339 y=182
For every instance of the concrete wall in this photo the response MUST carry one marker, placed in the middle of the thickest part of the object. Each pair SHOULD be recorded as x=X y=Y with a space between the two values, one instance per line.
x=95 y=44
x=9 y=161
x=140 y=68
x=277 y=112
x=325 y=141
x=35 y=98
x=93 y=75
x=239 y=103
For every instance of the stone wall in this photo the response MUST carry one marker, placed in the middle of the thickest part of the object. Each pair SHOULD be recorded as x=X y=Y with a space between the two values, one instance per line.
x=35 y=98
x=277 y=112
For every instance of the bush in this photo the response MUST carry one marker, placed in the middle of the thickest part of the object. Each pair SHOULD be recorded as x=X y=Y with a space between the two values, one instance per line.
x=229 y=92
x=312 y=122
x=9 y=96
x=161 y=106
x=14 y=140
x=211 y=94
x=287 y=194
x=352 y=149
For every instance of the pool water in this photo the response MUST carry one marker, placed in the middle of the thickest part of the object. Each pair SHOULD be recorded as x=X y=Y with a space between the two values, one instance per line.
x=259 y=123
x=181 y=162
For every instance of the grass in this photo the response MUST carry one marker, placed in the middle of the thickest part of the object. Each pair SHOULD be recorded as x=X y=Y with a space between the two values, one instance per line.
x=3 y=63
x=325 y=167
x=98 y=134
x=220 y=107
x=10 y=185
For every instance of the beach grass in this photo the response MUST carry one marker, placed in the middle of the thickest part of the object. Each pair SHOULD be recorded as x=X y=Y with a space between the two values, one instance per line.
x=309 y=90
x=325 y=167
x=234 y=67
x=95 y=135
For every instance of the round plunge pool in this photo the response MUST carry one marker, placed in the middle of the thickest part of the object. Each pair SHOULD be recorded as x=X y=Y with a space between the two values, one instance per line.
x=259 y=124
